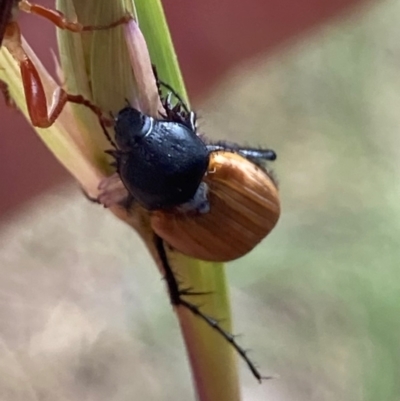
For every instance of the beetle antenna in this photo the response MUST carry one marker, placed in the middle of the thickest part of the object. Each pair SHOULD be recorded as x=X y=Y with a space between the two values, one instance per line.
x=176 y=294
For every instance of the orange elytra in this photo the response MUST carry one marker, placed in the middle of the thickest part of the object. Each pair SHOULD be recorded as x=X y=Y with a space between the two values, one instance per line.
x=244 y=208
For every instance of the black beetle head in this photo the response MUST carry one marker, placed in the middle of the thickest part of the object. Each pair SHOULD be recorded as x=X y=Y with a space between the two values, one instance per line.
x=130 y=127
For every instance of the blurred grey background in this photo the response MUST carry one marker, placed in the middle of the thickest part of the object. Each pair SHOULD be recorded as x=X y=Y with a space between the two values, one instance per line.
x=83 y=311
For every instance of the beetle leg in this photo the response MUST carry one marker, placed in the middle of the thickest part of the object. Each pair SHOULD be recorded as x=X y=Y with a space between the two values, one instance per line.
x=176 y=294
x=172 y=112
x=173 y=91
x=248 y=152
x=59 y=19
x=253 y=153
x=179 y=112
x=169 y=88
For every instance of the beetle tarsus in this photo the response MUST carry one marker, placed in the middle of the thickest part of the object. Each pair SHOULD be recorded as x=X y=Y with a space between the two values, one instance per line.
x=225 y=334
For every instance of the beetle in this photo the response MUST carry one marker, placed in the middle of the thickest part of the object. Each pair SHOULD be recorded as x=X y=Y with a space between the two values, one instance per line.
x=211 y=201
x=191 y=176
